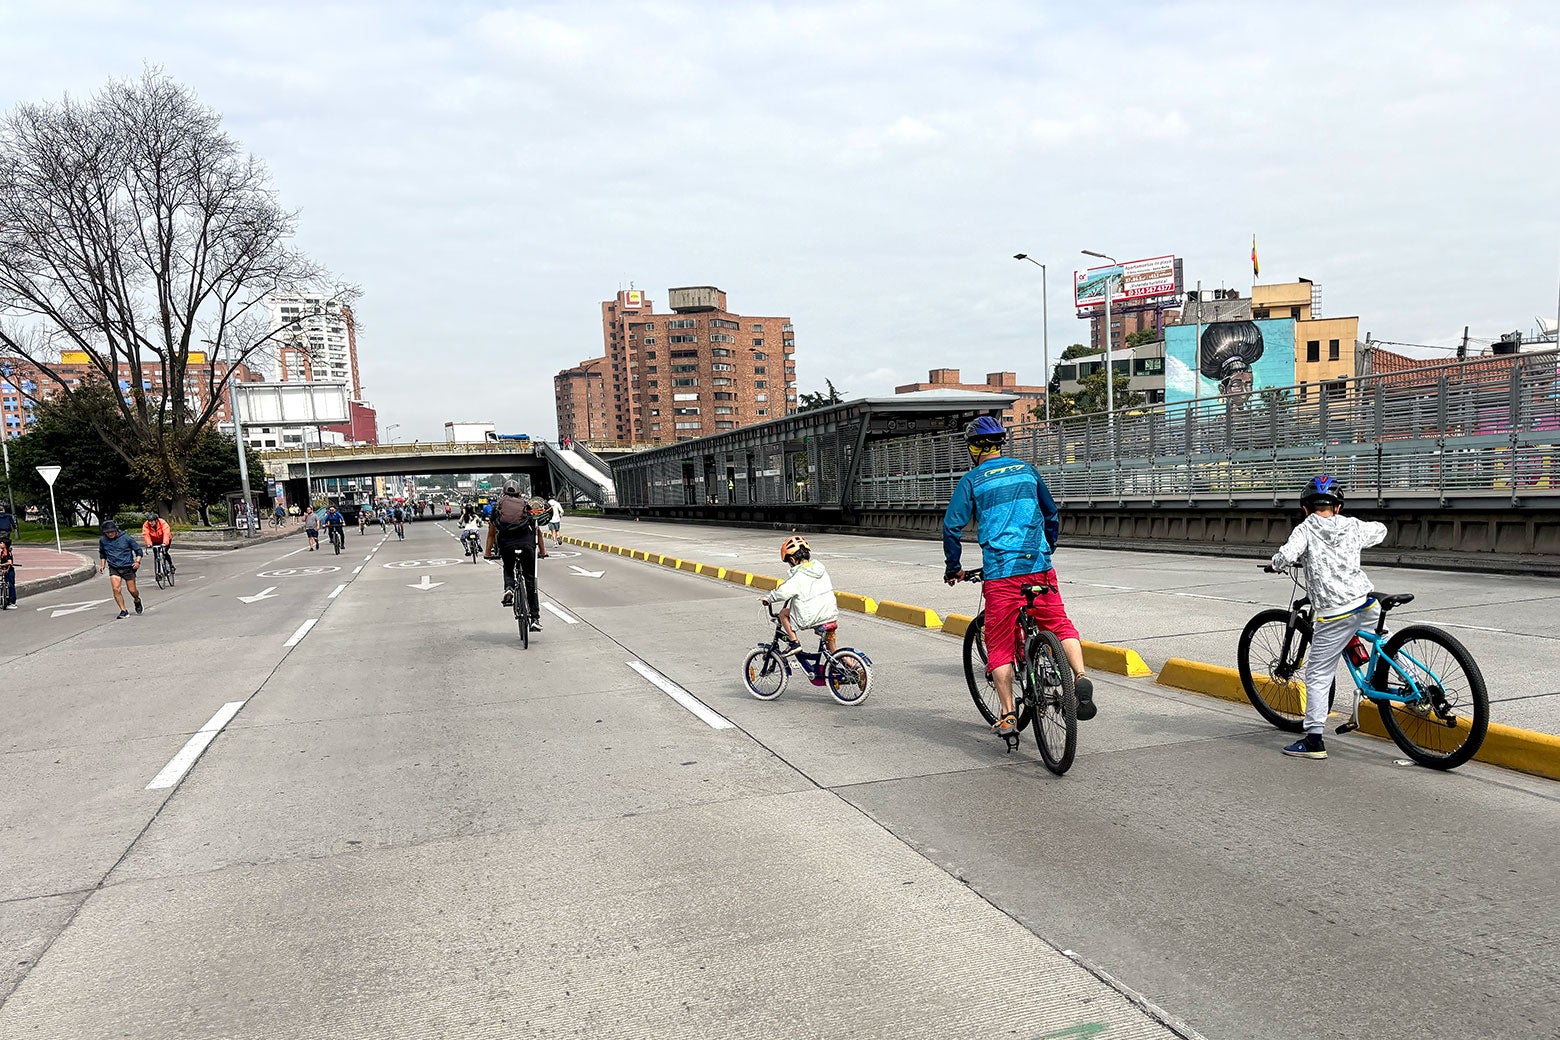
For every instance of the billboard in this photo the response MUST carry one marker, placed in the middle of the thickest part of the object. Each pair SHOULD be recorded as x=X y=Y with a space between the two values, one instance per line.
x=633 y=299
x=1137 y=281
x=292 y=403
x=1232 y=359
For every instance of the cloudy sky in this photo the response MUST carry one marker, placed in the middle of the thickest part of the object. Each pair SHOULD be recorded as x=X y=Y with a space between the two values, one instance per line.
x=489 y=172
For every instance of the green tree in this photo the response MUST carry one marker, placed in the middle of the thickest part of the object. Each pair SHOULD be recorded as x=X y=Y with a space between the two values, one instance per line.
x=1090 y=396
x=70 y=432
x=1077 y=350
x=135 y=232
x=818 y=399
x=1141 y=336
x=213 y=470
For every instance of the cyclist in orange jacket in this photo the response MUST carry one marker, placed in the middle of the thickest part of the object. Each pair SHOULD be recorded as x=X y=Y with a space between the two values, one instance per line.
x=157 y=532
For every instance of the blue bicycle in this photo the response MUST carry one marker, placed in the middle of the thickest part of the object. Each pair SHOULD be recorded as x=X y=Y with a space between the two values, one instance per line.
x=1425 y=684
x=847 y=672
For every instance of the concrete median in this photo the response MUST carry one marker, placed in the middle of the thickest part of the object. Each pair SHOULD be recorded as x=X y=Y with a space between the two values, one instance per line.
x=858 y=603
x=737 y=577
x=956 y=624
x=1118 y=660
x=908 y=614
x=765 y=582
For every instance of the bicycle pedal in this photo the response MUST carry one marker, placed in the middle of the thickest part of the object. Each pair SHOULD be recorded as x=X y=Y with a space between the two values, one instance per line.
x=1012 y=742
x=1347 y=727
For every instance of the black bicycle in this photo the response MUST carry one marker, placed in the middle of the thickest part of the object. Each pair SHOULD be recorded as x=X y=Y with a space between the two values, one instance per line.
x=522 y=608
x=162 y=567
x=473 y=543
x=1044 y=692
x=338 y=538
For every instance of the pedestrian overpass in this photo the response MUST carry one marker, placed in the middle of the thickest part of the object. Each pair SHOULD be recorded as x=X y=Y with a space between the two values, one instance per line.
x=553 y=470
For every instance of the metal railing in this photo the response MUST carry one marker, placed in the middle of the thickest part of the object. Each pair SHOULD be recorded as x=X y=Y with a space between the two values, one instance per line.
x=407 y=448
x=1483 y=429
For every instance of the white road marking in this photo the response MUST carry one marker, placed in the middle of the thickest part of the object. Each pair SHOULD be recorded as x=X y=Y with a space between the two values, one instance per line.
x=264 y=593
x=339 y=589
x=284 y=556
x=356 y=570
x=180 y=763
x=303 y=630
x=1100 y=585
x=426 y=583
x=583 y=573
x=567 y=619
x=706 y=714
x=1476 y=628
x=61 y=609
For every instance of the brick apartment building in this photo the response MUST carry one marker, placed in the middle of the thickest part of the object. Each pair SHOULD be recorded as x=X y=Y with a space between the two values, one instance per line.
x=1030 y=398
x=699 y=370
x=22 y=384
x=581 y=402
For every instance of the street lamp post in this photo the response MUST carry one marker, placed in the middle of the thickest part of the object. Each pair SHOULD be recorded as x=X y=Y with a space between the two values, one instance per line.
x=1045 y=331
x=1110 y=379
x=251 y=522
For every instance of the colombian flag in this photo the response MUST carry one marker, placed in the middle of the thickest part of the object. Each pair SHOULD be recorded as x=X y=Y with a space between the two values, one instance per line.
x=1255 y=270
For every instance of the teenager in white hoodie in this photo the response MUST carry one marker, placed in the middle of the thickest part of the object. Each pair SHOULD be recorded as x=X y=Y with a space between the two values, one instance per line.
x=1327 y=544
x=807 y=593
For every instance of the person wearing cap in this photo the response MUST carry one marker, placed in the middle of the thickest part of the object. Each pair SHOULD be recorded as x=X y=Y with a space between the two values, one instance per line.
x=119 y=554
x=513 y=529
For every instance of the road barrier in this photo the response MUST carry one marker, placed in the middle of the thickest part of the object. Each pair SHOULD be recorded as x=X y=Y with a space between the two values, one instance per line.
x=858 y=603
x=907 y=614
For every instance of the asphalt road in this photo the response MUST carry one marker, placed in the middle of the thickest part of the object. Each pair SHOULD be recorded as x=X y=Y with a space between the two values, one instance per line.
x=407 y=826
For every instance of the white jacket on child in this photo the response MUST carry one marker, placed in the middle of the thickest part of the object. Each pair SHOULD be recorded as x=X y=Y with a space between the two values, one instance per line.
x=811 y=594
x=1329 y=549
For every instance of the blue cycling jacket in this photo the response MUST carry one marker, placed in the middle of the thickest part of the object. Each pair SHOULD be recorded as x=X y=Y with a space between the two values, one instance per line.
x=1016 y=516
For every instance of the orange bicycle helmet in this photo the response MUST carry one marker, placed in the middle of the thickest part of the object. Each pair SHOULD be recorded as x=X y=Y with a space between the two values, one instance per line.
x=795 y=547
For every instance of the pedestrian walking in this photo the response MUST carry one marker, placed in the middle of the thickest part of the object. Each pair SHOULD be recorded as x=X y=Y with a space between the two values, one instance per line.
x=7 y=572
x=311 y=529
x=555 y=520
x=119 y=554
x=7 y=522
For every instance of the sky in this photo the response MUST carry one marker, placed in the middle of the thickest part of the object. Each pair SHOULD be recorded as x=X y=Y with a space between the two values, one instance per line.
x=488 y=173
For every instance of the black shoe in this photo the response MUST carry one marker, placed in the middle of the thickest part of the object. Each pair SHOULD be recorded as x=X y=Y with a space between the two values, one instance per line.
x=122 y=615
x=536 y=626
x=137 y=606
x=509 y=597
x=1085 y=689
x=1309 y=746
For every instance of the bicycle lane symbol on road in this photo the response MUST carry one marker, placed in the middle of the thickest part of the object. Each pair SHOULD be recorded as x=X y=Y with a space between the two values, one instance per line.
x=297 y=572
x=409 y=564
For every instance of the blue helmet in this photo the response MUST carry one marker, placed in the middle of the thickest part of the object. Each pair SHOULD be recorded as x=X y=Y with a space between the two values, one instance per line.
x=1322 y=490
x=985 y=431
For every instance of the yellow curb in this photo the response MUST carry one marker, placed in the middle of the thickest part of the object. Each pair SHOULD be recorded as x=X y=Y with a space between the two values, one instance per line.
x=852 y=601
x=710 y=570
x=737 y=577
x=956 y=624
x=764 y=581
x=640 y=554
x=1196 y=677
x=688 y=565
x=906 y=614
x=671 y=561
x=1118 y=660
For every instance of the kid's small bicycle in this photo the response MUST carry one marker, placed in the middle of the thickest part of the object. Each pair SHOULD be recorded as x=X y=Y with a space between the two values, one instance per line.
x=1425 y=684
x=847 y=672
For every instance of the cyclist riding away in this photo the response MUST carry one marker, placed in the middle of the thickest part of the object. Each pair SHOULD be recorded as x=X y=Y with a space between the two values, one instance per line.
x=470 y=534
x=158 y=537
x=807 y=593
x=1327 y=545
x=1018 y=525
x=516 y=533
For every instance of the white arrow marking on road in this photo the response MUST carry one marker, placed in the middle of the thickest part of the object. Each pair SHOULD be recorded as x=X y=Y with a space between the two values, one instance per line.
x=426 y=584
x=257 y=597
x=61 y=609
x=583 y=573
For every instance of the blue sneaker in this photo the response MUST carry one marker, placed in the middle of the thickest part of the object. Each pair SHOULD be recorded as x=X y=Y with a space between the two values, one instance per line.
x=1308 y=746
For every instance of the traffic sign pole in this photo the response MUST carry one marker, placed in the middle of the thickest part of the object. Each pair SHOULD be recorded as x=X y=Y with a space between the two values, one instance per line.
x=50 y=474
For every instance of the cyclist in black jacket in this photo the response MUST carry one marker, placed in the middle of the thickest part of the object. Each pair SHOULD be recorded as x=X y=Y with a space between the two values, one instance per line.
x=516 y=534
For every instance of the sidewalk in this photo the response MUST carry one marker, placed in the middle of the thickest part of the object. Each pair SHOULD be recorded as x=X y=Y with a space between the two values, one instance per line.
x=42 y=570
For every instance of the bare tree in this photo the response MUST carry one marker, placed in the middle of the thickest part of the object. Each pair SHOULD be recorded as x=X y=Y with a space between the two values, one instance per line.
x=134 y=231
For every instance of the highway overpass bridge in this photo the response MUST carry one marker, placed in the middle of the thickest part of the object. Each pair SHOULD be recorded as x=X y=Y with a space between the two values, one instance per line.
x=552 y=469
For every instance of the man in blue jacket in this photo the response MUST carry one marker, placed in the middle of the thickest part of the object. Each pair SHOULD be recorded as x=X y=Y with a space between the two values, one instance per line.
x=119 y=554
x=1018 y=524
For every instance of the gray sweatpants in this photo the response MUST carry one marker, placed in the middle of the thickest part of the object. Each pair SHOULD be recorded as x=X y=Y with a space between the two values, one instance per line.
x=1321 y=663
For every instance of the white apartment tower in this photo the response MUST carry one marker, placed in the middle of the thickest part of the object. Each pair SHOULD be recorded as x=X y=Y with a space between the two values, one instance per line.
x=322 y=345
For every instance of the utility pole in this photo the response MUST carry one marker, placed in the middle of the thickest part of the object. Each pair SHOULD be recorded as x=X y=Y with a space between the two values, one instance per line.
x=250 y=520
x=1462 y=351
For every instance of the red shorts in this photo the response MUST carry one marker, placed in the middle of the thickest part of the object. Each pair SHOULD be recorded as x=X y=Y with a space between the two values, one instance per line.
x=1005 y=598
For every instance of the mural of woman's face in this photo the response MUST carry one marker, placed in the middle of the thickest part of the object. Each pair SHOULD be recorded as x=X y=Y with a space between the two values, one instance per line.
x=1237 y=386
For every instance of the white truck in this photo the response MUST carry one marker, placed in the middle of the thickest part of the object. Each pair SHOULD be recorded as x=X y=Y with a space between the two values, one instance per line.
x=469 y=432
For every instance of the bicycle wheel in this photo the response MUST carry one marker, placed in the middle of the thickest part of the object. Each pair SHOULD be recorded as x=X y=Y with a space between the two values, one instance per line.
x=1051 y=690
x=160 y=572
x=849 y=677
x=523 y=611
x=1446 y=726
x=172 y=570
x=982 y=690
x=764 y=674
x=1271 y=661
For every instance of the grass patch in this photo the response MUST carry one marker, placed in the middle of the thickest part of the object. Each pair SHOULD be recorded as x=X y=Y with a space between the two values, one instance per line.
x=31 y=533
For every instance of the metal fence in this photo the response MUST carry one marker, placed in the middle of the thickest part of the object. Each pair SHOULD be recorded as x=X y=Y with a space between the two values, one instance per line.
x=1483 y=429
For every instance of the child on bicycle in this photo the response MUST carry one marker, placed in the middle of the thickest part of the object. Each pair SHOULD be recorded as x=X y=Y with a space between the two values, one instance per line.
x=807 y=593
x=1327 y=545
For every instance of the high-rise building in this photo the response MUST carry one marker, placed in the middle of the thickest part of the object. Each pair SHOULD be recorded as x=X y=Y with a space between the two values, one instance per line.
x=580 y=400
x=699 y=370
x=321 y=345
x=23 y=384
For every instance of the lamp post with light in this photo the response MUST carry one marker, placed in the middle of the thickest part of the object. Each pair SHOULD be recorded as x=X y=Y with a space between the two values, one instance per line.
x=1110 y=380
x=1045 y=331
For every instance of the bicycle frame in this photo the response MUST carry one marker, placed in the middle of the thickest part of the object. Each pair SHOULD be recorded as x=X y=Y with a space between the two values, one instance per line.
x=812 y=664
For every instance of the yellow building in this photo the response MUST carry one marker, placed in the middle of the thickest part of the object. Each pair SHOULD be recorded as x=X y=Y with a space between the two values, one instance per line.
x=1324 y=347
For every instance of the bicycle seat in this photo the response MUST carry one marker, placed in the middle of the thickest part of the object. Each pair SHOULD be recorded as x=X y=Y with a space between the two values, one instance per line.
x=1038 y=590
x=1388 y=602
